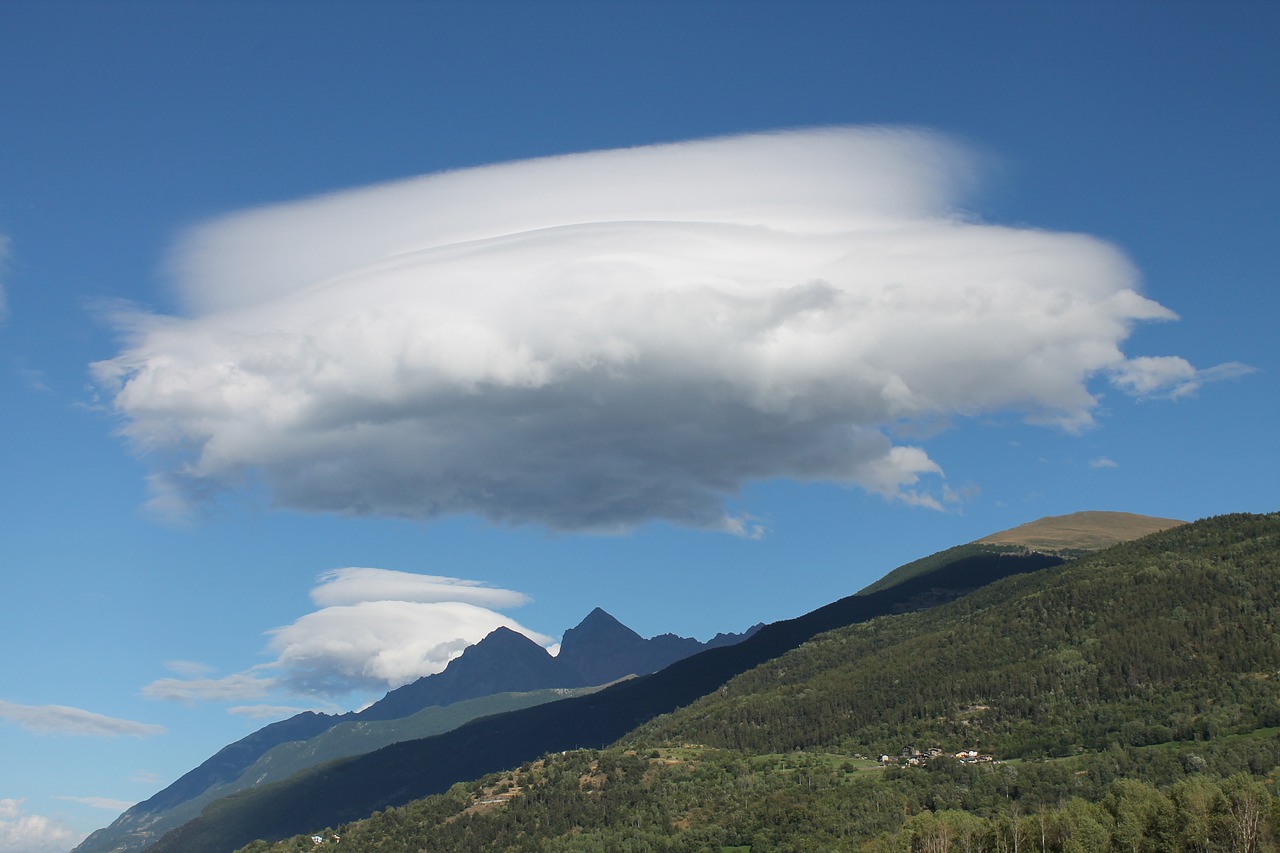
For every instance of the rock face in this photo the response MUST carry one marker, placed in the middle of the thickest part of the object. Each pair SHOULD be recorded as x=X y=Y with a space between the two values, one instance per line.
x=599 y=650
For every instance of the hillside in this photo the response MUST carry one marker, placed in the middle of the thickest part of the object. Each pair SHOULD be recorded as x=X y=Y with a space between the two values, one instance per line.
x=397 y=774
x=1072 y=535
x=1128 y=700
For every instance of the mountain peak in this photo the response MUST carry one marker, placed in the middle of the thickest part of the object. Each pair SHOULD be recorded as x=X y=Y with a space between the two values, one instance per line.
x=597 y=628
x=504 y=636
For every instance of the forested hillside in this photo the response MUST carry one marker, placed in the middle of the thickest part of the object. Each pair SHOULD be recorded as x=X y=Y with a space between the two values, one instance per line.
x=1127 y=701
x=1171 y=637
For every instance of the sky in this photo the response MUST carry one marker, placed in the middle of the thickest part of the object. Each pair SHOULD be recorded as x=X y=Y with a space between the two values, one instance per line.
x=334 y=335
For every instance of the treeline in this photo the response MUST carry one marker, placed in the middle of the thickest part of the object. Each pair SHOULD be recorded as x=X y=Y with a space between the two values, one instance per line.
x=1199 y=814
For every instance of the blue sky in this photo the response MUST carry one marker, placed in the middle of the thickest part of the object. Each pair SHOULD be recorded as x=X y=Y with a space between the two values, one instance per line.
x=138 y=139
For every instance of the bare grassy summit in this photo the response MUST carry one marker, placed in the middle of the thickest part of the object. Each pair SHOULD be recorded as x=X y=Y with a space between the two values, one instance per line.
x=1084 y=531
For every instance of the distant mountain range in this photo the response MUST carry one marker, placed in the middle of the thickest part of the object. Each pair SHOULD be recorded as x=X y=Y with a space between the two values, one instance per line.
x=504 y=671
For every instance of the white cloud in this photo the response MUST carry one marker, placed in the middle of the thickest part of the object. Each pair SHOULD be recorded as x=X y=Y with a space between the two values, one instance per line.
x=149 y=778
x=354 y=585
x=238 y=687
x=105 y=803
x=267 y=712
x=21 y=832
x=63 y=720
x=1103 y=462
x=189 y=668
x=375 y=630
x=592 y=341
x=1170 y=377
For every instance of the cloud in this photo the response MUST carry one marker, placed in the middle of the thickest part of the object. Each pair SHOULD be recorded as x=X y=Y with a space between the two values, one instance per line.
x=36 y=380
x=374 y=630
x=21 y=832
x=1103 y=462
x=1171 y=377
x=149 y=778
x=189 y=668
x=355 y=585
x=105 y=803
x=267 y=712
x=592 y=341
x=62 y=720
x=238 y=687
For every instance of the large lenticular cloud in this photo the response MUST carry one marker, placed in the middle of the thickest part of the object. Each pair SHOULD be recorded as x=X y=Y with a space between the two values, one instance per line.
x=592 y=341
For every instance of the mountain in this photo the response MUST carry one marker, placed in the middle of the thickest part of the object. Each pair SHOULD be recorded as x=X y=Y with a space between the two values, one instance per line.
x=1126 y=700
x=600 y=649
x=503 y=661
x=503 y=664
x=397 y=774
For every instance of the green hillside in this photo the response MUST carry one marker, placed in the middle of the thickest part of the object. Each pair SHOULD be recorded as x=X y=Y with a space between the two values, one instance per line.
x=1129 y=701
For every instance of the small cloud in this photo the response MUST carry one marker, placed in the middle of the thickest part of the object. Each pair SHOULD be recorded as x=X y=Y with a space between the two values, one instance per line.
x=188 y=668
x=1170 y=377
x=355 y=585
x=22 y=832
x=33 y=379
x=236 y=687
x=962 y=495
x=1103 y=462
x=149 y=778
x=105 y=803
x=745 y=527
x=63 y=720
x=267 y=712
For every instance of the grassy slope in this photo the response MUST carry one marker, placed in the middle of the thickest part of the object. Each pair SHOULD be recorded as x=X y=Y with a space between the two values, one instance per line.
x=1081 y=531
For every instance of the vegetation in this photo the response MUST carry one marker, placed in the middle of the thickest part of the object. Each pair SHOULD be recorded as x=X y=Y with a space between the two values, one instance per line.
x=712 y=800
x=1131 y=700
